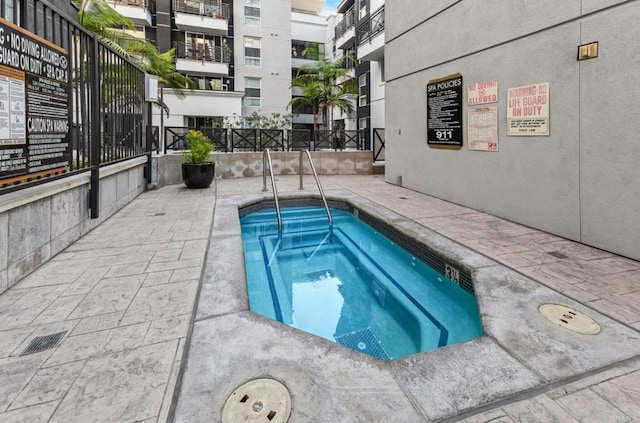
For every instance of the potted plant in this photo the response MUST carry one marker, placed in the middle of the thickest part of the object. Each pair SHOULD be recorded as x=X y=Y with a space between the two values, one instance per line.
x=198 y=169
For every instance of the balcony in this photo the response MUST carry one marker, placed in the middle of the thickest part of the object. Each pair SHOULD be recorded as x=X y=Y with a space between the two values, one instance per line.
x=204 y=16
x=345 y=33
x=345 y=5
x=370 y=37
x=137 y=11
x=202 y=59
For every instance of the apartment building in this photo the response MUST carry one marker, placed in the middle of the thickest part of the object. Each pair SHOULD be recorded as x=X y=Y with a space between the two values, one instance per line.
x=308 y=29
x=358 y=31
x=240 y=54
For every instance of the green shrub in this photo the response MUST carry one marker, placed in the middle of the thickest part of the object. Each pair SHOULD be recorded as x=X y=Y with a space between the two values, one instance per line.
x=199 y=148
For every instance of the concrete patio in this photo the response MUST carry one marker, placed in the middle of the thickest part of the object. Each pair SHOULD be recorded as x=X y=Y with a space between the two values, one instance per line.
x=135 y=293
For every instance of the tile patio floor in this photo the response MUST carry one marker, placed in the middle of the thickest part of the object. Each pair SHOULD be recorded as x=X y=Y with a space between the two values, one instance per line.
x=123 y=297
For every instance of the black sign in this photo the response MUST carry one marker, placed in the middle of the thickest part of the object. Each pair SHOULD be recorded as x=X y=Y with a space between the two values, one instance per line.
x=34 y=106
x=444 y=111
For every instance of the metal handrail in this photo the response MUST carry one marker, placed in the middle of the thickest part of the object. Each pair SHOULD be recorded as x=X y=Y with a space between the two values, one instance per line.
x=315 y=175
x=266 y=159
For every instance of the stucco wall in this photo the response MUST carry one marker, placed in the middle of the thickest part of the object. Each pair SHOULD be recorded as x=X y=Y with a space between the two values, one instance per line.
x=37 y=223
x=239 y=165
x=578 y=182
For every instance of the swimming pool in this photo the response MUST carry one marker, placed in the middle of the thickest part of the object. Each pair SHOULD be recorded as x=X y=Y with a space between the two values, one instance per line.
x=352 y=285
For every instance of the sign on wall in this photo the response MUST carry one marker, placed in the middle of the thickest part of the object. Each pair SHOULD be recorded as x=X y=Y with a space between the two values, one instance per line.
x=34 y=106
x=482 y=92
x=528 y=110
x=444 y=112
x=483 y=129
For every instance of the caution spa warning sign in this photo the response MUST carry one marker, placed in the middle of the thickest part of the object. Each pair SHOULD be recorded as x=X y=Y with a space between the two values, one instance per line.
x=34 y=106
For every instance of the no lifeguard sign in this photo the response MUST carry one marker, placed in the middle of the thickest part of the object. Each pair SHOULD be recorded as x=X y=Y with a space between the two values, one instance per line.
x=528 y=110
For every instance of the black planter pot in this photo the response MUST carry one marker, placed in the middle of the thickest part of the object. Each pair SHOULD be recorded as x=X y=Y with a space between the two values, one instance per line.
x=198 y=175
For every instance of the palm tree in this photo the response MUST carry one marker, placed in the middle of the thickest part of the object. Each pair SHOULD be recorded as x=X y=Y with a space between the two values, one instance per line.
x=101 y=19
x=312 y=94
x=322 y=85
x=111 y=27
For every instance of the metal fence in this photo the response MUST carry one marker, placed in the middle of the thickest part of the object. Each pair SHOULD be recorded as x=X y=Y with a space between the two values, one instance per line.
x=253 y=140
x=82 y=85
x=378 y=144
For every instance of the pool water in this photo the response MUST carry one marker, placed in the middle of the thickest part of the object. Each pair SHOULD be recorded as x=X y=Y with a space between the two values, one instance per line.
x=351 y=285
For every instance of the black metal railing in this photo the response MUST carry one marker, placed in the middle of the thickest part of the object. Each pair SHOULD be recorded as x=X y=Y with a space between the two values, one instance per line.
x=254 y=140
x=347 y=23
x=372 y=27
x=378 y=144
x=202 y=52
x=212 y=9
x=300 y=139
x=175 y=137
x=92 y=96
x=136 y=3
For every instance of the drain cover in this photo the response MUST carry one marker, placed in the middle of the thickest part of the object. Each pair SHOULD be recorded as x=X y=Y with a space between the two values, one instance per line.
x=570 y=319
x=43 y=343
x=259 y=400
x=364 y=340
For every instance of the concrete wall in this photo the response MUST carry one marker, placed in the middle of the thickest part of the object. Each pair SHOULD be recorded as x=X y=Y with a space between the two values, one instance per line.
x=197 y=103
x=580 y=182
x=238 y=165
x=275 y=69
x=37 y=223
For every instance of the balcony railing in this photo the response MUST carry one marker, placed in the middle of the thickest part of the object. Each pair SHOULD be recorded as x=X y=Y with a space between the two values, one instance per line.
x=135 y=3
x=213 y=9
x=373 y=27
x=202 y=52
x=346 y=24
x=252 y=139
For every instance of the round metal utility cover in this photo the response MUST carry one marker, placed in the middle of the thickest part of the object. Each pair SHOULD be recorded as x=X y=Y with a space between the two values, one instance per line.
x=570 y=319
x=259 y=400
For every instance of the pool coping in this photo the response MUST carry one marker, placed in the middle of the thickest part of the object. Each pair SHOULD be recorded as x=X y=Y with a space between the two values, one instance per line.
x=520 y=352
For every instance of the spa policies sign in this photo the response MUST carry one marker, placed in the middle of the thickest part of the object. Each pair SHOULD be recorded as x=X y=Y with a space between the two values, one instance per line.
x=528 y=110
x=444 y=112
x=34 y=106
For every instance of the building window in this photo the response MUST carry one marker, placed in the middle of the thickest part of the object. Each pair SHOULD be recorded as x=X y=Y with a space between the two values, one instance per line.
x=9 y=11
x=362 y=127
x=252 y=51
x=204 y=121
x=201 y=47
x=207 y=83
x=252 y=92
x=363 y=8
x=252 y=12
x=362 y=84
x=311 y=50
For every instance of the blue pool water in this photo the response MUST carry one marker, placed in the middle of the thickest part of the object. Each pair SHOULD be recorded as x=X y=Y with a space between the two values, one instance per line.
x=351 y=285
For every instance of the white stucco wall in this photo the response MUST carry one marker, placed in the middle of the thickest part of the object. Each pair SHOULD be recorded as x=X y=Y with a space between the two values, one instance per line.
x=275 y=69
x=579 y=182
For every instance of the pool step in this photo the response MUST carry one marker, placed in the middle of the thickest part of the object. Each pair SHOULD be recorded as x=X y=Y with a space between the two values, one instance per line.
x=312 y=218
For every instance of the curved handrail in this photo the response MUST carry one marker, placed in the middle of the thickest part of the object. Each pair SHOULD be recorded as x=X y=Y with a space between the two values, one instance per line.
x=266 y=159
x=315 y=175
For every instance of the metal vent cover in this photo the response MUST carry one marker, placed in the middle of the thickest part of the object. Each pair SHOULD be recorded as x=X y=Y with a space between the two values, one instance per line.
x=43 y=343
